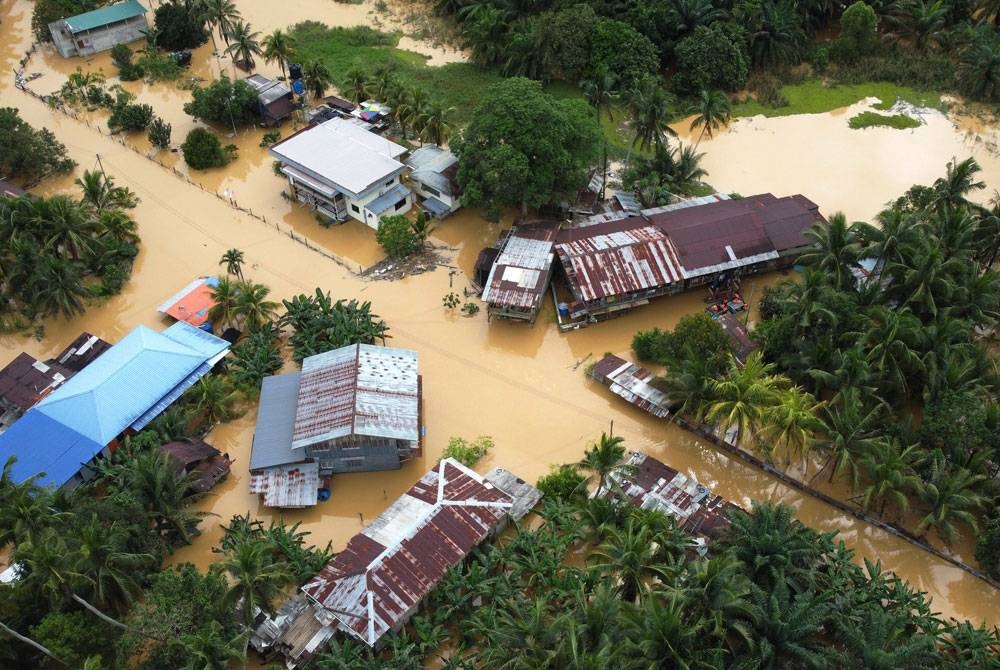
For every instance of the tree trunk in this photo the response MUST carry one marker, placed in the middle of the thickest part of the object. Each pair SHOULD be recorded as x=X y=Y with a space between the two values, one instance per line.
x=700 y=135
x=28 y=641
x=98 y=613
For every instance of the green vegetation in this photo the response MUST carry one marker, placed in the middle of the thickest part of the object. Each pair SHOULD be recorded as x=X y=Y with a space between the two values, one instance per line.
x=319 y=324
x=47 y=11
x=872 y=119
x=121 y=56
x=269 y=138
x=524 y=148
x=203 y=150
x=26 y=154
x=232 y=104
x=58 y=253
x=468 y=453
x=815 y=96
x=159 y=133
x=179 y=25
x=130 y=117
x=697 y=338
x=396 y=236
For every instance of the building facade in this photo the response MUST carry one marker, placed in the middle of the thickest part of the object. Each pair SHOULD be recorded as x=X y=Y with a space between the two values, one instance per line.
x=100 y=29
x=433 y=173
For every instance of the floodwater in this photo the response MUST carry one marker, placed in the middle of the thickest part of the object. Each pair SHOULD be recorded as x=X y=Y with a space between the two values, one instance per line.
x=515 y=383
x=853 y=171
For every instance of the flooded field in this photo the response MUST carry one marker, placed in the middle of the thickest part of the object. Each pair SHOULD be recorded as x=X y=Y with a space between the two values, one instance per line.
x=515 y=383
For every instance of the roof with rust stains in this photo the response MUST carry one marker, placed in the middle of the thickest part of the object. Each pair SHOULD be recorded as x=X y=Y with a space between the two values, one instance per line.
x=390 y=566
x=520 y=274
x=360 y=390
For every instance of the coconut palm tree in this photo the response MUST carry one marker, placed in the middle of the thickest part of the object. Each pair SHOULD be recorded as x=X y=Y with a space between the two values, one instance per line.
x=892 y=341
x=951 y=191
x=117 y=226
x=252 y=306
x=256 y=577
x=877 y=639
x=836 y=247
x=850 y=432
x=221 y=15
x=712 y=111
x=244 y=43
x=214 y=399
x=718 y=591
x=354 y=85
x=56 y=287
x=317 y=78
x=233 y=260
x=688 y=15
x=649 y=107
x=100 y=193
x=107 y=564
x=979 y=69
x=744 y=397
x=64 y=226
x=789 y=628
x=436 y=125
x=791 y=423
x=891 y=472
x=948 y=499
x=922 y=22
x=25 y=508
x=278 y=47
x=897 y=230
x=604 y=458
x=601 y=92
x=776 y=35
x=165 y=494
x=208 y=648
x=689 y=387
x=224 y=296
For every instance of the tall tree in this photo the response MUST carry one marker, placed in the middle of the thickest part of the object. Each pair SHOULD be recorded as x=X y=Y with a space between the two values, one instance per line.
x=712 y=111
x=649 y=107
x=233 y=260
x=220 y=15
x=603 y=459
x=317 y=78
x=256 y=578
x=244 y=43
x=744 y=396
x=278 y=47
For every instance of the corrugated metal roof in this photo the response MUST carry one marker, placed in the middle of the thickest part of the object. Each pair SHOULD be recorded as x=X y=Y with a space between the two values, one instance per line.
x=393 y=564
x=129 y=379
x=388 y=199
x=434 y=167
x=436 y=207
x=340 y=153
x=45 y=445
x=105 y=15
x=192 y=303
x=287 y=486
x=631 y=382
x=81 y=352
x=520 y=273
x=272 y=439
x=657 y=486
x=24 y=381
x=360 y=390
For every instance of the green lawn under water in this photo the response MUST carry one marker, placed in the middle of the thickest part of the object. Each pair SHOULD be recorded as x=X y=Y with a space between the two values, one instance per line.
x=815 y=97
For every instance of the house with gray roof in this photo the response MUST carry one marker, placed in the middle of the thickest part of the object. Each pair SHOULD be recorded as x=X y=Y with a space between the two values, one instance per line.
x=433 y=172
x=99 y=30
x=340 y=170
x=353 y=409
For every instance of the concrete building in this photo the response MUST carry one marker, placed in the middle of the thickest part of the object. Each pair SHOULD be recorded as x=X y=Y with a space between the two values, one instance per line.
x=341 y=170
x=99 y=30
x=433 y=172
x=353 y=409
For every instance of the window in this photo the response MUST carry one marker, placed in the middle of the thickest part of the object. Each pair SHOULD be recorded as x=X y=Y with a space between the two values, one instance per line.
x=354 y=208
x=391 y=182
x=401 y=204
x=352 y=462
x=433 y=191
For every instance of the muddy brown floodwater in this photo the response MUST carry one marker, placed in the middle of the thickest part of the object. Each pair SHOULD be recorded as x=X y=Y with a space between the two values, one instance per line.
x=512 y=382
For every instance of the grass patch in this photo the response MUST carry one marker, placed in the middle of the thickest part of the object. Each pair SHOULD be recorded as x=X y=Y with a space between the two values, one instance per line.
x=873 y=119
x=814 y=96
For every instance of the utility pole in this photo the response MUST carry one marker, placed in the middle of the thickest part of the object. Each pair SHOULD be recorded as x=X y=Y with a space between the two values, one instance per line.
x=101 y=165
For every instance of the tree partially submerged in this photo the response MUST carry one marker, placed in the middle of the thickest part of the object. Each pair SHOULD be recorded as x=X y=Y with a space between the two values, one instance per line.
x=27 y=154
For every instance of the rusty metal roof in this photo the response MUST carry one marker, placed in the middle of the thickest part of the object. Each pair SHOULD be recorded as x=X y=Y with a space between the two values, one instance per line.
x=24 y=381
x=386 y=570
x=520 y=274
x=360 y=390
x=631 y=382
x=660 y=487
x=738 y=335
x=81 y=352
x=622 y=257
x=287 y=486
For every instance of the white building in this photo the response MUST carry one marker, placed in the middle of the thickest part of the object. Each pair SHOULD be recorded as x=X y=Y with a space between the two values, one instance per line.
x=341 y=170
x=99 y=30
x=433 y=177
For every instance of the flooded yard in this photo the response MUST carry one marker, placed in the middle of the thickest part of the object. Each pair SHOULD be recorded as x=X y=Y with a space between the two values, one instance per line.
x=512 y=382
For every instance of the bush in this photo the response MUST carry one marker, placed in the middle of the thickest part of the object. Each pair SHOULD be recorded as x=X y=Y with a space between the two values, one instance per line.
x=130 y=117
x=858 y=29
x=871 y=119
x=270 y=138
x=224 y=101
x=695 y=336
x=563 y=483
x=178 y=26
x=202 y=150
x=396 y=236
x=467 y=453
x=711 y=58
x=27 y=153
x=159 y=133
x=121 y=55
x=159 y=67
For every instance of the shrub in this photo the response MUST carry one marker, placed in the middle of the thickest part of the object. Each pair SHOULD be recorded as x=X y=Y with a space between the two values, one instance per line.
x=159 y=67
x=270 y=138
x=858 y=29
x=396 y=236
x=224 y=101
x=695 y=336
x=470 y=309
x=202 y=150
x=563 y=483
x=871 y=119
x=159 y=133
x=130 y=117
x=467 y=453
x=121 y=55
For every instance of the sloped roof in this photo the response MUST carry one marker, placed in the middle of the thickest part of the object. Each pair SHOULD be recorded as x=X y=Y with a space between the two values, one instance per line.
x=393 y=564
x=272 y=439
x=343 y=154
x=192 y=303
x=128 y=379
x=360 y=389
x=520 y=274
x=387 y=199
x=435 y=167
x=105 y=15
x=25 y=380
x=44 y=445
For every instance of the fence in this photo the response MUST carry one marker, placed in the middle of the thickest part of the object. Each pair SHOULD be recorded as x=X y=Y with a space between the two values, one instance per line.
x=21 y=83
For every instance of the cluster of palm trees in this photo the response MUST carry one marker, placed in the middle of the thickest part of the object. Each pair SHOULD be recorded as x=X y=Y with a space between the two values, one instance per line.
x=57 y=252
x=770 y=593
x=882 y=327
x=412 y=109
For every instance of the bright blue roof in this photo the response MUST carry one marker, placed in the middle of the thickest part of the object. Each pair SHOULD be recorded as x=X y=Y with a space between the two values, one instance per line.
x=42 y=444
x=130 y=379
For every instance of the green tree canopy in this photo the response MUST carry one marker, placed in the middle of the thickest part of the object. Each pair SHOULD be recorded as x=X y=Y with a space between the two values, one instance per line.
x=226 y=102
x=28 y=154
x=179 y=25
x=712 y=57
x=524 y=147
x=202 y=150
x=396 y=236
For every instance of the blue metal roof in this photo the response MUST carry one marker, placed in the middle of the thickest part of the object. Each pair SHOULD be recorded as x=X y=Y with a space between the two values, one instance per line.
x=105 y=15
x=44 y=445
x=387 y=199
x=436 y=207
x=129 y=379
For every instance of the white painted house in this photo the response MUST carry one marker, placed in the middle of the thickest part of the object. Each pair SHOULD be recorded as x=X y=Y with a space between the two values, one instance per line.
x=433 y=177
x=340 y=170
x=99 y=30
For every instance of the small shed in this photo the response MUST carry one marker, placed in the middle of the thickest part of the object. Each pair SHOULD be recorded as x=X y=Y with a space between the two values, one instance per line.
x=433 y=175
x=192 y=303
x=197 y=456
x=274 y=99
x=99 y=30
